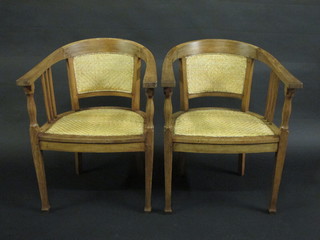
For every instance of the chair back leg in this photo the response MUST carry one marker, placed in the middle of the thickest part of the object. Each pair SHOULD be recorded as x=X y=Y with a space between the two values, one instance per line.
x=78 y=162
x=168 y=169
x=242 y=164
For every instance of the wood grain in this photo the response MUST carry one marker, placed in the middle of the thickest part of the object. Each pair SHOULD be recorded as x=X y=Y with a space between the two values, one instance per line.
x=235 y=145
x=41 y=140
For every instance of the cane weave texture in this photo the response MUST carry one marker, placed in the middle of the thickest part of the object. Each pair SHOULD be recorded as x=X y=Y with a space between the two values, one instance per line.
x=216 y=73
x=220 y=123
x=99 y=122
x=103 y=72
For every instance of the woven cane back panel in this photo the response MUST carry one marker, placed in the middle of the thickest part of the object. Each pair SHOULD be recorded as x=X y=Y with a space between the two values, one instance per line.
x=220 y=123
x=103 y=72
x=99 y=122
x=216 y=73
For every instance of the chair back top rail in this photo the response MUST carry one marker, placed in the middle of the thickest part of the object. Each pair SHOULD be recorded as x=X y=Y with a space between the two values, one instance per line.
x=228 y=47
x=95 y=45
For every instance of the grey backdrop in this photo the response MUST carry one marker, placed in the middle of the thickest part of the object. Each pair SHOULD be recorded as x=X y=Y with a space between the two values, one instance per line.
x=211 y=201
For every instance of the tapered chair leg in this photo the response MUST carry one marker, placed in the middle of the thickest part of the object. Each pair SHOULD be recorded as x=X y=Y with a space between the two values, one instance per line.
x=149 y=170
x=242 y=164
x=168 y=172
x=148 y=179
x=280 y=158
x=276 y=182
x=78 y=162
x=41 y=177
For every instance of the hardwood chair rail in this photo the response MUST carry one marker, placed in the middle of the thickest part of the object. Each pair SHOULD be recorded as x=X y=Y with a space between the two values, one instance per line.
x=225 y=46
x=111 y=45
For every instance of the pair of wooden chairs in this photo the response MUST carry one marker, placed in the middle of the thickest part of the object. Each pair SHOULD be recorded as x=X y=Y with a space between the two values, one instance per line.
x=111 y=67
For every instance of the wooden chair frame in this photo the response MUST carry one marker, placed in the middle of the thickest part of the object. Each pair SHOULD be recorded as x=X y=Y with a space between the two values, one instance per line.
x=237 y=145
x=41 y=141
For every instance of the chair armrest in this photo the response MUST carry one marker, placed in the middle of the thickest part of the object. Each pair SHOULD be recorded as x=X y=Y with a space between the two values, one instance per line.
x=168 y=79
x=41 y=70
x=150 y=76
x=31 y=76
x=282 y=73
x=225 y=46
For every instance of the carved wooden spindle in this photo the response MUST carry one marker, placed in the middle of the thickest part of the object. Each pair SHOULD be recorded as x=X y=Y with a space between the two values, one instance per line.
x=287 y=107
x=31 y=106
x=272 y=97
x=247 y=85
x=48 y=94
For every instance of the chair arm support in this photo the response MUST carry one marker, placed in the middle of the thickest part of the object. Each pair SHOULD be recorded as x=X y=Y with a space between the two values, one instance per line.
x=282 y=73
x=287 y=107
x=168 y=107
x=31 y=106
x=31 y=76
x=149 y=108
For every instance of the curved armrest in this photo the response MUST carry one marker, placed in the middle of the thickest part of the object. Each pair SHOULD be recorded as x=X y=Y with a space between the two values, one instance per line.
x=282 y=73
x=31 y=76
x=95 y=45
x=167 y=78
x=228 y=47
x=150 y=76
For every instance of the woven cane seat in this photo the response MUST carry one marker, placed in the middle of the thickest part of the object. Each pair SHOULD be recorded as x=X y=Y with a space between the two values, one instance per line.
x=220 y=123
x=99 y=122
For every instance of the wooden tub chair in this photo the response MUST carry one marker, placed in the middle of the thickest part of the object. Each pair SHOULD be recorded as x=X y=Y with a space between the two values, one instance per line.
x=223 y=68
x=96 y=67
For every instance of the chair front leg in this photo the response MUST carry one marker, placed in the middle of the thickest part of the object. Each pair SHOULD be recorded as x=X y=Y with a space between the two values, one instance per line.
x=149 y=148
x=281 y=154
x=40 y=171
x=168 y=169
x=149 y=169
x=168 y=148
x=280 y=158
x=36 y=151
